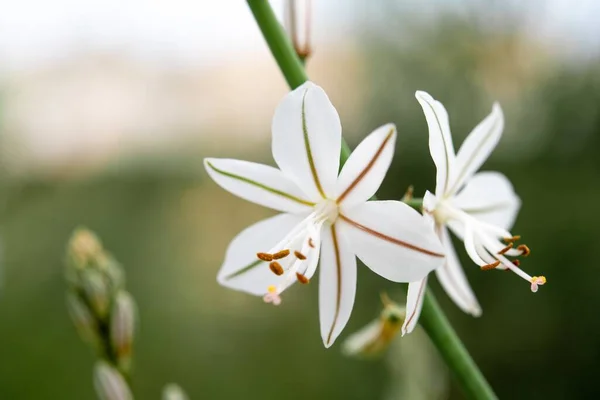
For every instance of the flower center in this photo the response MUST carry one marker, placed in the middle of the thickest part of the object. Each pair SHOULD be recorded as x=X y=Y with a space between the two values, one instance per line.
x=297 y=254
x=488 y=245
x=442 y=212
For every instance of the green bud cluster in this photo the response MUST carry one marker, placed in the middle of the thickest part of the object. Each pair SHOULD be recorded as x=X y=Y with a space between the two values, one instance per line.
x=103 y=312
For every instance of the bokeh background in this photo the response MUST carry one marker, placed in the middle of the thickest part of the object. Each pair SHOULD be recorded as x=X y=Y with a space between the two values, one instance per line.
x=108 y=107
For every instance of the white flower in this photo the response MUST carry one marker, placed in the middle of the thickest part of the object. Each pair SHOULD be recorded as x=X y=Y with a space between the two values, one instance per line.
x=324 y=215
x=478 y=207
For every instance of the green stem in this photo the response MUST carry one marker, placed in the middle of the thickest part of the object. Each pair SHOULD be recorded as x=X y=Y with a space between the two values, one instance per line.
x=452 y=350
x=415 y=203
x=432 y=317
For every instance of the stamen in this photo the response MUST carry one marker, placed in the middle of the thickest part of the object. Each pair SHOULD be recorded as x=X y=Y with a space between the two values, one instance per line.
x=310 y=243
x=524 y=250
x=299 y=255
x=281 y=254
x=276 y=268
x=302 y=279
x=515 y=238
x=516 y=262
x=264 y=256
x=507 y=248
x=491 y=266
x=537 y=281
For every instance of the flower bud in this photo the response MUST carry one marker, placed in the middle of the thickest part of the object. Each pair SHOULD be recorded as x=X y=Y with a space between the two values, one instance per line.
x=111 y=270
x=122 y=328
x=297 y=22
x=174 y=392
x=83 y=247
x=374 y=338
x=83 y=319
x=96 y=292
x=109 y=383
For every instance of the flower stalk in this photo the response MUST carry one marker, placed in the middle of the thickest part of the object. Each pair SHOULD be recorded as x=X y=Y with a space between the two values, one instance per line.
x=104 y=314
x=432 y=317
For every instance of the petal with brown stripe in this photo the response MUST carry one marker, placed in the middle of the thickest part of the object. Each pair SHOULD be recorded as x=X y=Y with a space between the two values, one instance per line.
x=241 y=269
x=392 y=239
x=364 y=171
x=414 y=304
x=337 y=284
x=258 y=183
x=307 y=136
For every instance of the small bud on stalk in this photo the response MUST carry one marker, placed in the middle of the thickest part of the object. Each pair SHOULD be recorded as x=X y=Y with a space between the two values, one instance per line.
x=373 y=339
x=122 y=328
x=109 y=383
x=297 y=22
x=96 y=291
x=174 y=392
x=83 y=319
x=83 y=247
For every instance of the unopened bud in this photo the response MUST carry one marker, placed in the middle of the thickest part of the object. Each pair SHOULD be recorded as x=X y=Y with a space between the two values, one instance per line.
x=109 y=383
x=112 y=270
x=83 y=319
x=83 y=247
x=122 y=328
x=408 y=195
x=96 y=291
x=374 y=338
x=297 y=22
x=174 y=392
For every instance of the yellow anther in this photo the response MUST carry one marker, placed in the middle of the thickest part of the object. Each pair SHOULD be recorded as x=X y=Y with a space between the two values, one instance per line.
x=299 y=255
x=272 y=289
x=264 y=256
x=281 y=254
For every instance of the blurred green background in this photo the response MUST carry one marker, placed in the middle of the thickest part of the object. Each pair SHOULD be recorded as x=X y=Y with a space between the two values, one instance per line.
x=169 y=225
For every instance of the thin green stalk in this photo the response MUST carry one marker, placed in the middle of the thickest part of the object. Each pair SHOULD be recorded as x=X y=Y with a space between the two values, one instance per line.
x=432 y=317
x=452 y=350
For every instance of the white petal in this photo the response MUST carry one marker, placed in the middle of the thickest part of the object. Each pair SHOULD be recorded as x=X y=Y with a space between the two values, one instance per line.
x=392 y=239
x=477 y=147
x=440 y=140
x=337 y=284
x=307 y=137
x=414 y=304
x=258 y=183
x=241 y=269
x=453 y=279
x=490 y=197
x=364 y=171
